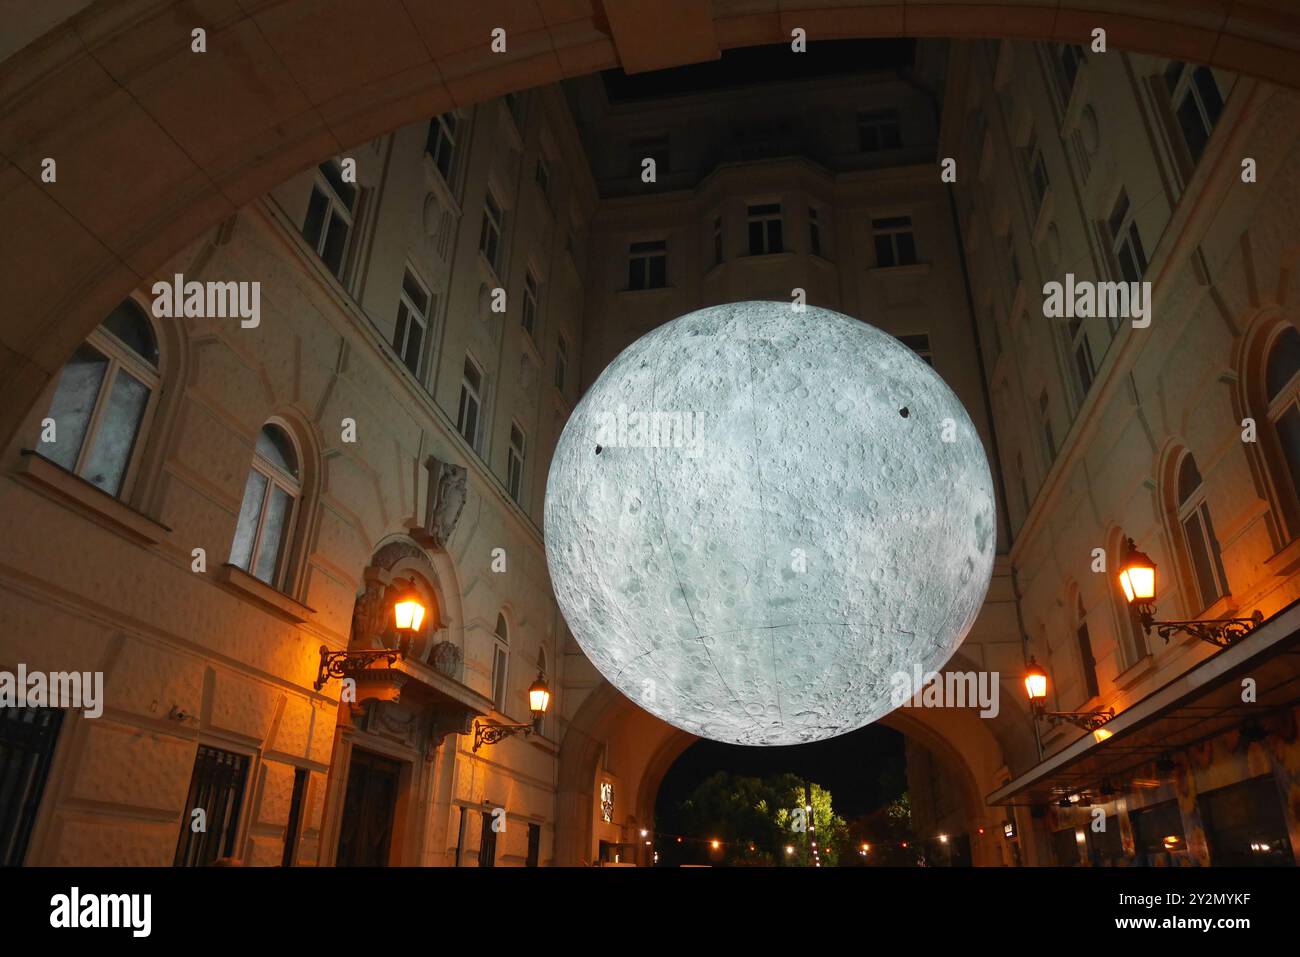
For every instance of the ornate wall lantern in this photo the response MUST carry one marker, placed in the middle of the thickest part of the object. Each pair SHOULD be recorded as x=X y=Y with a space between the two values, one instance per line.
x=1137 y=577
x=408 y=617
x=1036 y=689
x=539 y=699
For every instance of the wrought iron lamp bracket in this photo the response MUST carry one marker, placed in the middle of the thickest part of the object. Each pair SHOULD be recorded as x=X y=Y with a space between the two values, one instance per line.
x=1220 y=632
x=492 y=732
x=351 y=664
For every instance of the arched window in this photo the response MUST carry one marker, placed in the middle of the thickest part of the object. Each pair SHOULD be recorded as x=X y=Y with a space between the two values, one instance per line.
x=1198 y=535
x=1282 y=384
x=1087 y=663
x=270 y=505
x=500 y=663
x=104 y=400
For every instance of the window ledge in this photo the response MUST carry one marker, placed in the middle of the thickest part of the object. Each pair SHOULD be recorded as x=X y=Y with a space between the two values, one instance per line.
x=891 y=272
x=57 y=482
x=489 y=272
x=263 y=594
x=784 y=255
x=1286 y=560
x=1135 y=672
x=651 y=289
x=440 y=187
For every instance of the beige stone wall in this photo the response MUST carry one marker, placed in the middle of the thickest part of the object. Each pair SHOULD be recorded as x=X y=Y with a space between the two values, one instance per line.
x=83 y=592
x=1220 y=254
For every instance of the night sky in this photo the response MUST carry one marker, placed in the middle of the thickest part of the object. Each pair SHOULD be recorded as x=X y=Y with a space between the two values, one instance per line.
x=857 y=768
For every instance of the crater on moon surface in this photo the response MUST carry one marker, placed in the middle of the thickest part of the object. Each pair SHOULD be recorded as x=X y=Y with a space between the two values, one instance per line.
x=774 y=524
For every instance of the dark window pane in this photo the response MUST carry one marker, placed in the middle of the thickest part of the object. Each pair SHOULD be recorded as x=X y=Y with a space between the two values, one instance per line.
x=1288 y=434
x=774 y=239
x=347 y=192
x=336 y=240
x=274 y=446
x=658 y=272
x=1283 y=361
x=906 y=249
x=74 y=402
x=315 y=221
x=1193 y=126
x=27 y=739
x=128 y=324
x=1203 y=80
x=1189 y=479
x=636 y=273
x=755 y=238
x=217 y=788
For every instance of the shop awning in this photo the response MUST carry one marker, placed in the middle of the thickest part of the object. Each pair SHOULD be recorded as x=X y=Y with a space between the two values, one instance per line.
x=1199 y=704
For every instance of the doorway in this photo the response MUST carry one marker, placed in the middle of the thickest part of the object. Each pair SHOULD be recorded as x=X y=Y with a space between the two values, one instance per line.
x=366 y=830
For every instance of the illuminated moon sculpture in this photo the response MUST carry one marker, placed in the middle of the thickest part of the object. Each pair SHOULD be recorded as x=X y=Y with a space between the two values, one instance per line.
x=757 y=518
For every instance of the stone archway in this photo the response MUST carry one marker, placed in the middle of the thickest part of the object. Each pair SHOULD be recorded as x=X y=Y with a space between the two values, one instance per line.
x=155 y=143
x=609 y=732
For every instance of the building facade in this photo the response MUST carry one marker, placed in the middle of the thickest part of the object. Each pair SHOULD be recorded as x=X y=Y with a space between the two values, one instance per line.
x=198 y=508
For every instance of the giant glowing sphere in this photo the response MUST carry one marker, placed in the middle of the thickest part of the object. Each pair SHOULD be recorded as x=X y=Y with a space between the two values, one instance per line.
x=757 y=518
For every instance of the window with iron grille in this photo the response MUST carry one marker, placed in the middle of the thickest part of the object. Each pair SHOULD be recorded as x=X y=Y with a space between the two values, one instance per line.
x=27 y=739
x=217 y=788
x=294 y=829
x=487 y=845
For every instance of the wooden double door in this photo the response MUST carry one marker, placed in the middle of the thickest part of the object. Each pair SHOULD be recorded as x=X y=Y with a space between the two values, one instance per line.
x=369 y=807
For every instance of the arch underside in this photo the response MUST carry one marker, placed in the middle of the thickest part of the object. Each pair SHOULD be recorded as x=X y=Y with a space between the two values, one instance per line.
x=156 y=144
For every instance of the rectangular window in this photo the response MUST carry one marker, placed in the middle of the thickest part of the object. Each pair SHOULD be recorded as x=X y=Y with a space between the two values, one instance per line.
x=1126 y=242
x=1036 y=171
x=294 y=829
x=1083 y=362
x=814 y=232
x=487 y=842
x=329 y=216
x=647 y=265
x=500 y=667
x=471 y=403
x=489 y=237
x=879 y=130
x=717 y=240
x=1045 y=414
x=895 y=244
x=412 y=322
x=1069 y=57
x=920 y=344
x=515 y=463
x=1086 y=660
x=530 y=304
x=440 y=144
x=765 y=229
x=534 y=845
x=27 y=739
x=561 y=361
x=217 y=789
x=1197 y=104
